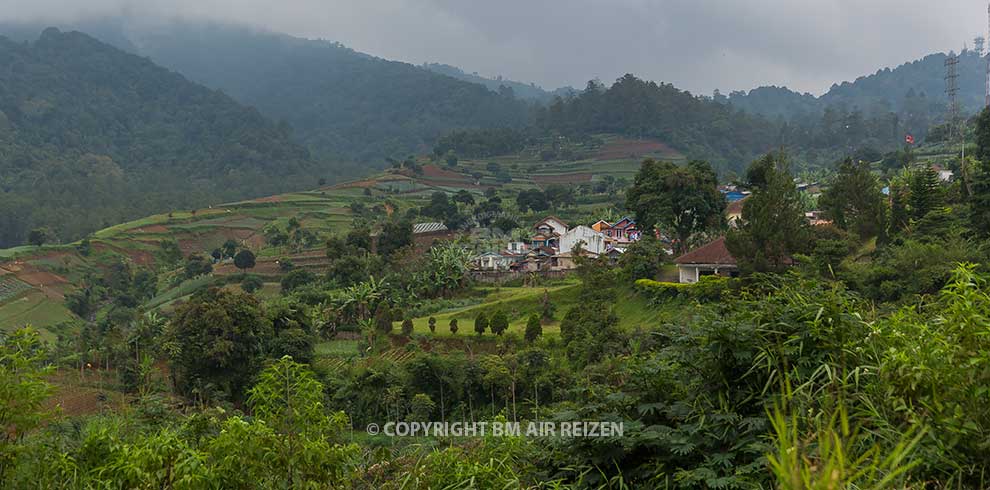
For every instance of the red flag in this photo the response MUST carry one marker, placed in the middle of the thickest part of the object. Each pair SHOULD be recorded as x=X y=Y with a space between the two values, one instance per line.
x=909 y=139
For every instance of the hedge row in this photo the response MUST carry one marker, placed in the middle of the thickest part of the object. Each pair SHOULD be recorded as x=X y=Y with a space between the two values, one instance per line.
x=708 y=288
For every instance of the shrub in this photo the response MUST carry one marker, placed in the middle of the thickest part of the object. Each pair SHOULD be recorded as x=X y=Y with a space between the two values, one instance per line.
x=251 y=283
x=407 y=327
x=480 y=323
x=244 y=259
x=533 y=328
x=499 y=323
x=708 y=288
x=296 y=279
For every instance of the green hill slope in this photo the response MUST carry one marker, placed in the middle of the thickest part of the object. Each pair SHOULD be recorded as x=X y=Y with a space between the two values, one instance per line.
x=342 y=104
x=92 y=135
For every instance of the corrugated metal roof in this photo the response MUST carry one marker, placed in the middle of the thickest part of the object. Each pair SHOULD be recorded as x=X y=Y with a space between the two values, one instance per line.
x=428 y=227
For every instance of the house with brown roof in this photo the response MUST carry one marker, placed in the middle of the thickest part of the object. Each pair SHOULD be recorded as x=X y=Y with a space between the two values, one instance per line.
x=710 y=259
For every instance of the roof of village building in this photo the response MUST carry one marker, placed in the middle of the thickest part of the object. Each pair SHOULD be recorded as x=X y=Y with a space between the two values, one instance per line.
x=628 y=222
x=428 y=228
x=548 y=218
x=712 y=253
x=542 y=250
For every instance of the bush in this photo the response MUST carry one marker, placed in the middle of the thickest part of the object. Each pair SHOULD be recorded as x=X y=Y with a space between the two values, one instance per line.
x=244 y=259
x=251 y=283
x=499 y=323
x=480 y=323
x=708 y=288
x=407 y=327
x=533 y=328
x=297 y=278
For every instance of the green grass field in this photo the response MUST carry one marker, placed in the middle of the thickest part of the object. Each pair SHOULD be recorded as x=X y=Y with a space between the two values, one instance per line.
x=33 y=308
x=520 y=302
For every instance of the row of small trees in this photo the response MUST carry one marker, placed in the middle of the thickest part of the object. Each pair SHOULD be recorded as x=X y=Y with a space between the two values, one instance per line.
x=497 y=323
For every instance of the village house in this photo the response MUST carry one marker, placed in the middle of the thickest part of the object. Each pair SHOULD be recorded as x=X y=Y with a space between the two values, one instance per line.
x=492 y=261
x=552 y=246
x=590 y=240
x=710 y=259
x=538 y=259
x=601 y=226
x=622 y=233
x=548 y=232
x=613 y=255
x=544 y=241
x=517 y=248
x=550 y=225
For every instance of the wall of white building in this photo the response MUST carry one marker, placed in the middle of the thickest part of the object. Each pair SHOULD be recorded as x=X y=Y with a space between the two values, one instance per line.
x=594 y=242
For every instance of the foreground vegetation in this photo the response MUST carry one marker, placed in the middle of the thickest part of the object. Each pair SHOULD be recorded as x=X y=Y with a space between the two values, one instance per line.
x=851 y=354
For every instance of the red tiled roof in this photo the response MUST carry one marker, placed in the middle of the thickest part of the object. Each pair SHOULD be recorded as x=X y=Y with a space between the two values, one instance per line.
x=711 y=253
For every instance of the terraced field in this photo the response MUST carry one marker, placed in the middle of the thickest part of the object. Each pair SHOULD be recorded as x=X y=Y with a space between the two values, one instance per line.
x=33 y=280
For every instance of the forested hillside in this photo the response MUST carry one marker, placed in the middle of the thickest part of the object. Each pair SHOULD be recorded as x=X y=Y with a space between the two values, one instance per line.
x=522 y=90
x=91 y=135
x=342 y=105
x=721 y=133
x=913 y=92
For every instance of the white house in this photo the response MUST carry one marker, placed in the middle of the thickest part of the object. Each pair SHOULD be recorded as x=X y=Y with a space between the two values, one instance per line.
x=594 y=241
x=711 y=259
x=550 y=225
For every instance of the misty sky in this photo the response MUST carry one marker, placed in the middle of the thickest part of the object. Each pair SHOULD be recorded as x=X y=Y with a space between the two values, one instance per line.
x=697 y=45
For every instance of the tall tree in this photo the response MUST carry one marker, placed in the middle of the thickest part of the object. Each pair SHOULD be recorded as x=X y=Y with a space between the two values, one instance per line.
x=679 y=200
x=979 y=203
x=853 y=200
x=925 y=192
x=217 y=340
x=772 y=227
x=394 y=236
x=244 y=259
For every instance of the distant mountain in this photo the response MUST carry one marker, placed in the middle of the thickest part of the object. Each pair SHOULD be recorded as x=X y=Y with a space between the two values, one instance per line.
x=91 y=135
x=773 y=102
x=341 y=104
x=522 y=90
x=914 y=90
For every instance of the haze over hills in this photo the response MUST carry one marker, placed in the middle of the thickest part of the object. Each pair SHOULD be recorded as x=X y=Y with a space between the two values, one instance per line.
x=519 y=89
x=342 y=104
x=92 y=135
x=345 y=107
x=914 y=86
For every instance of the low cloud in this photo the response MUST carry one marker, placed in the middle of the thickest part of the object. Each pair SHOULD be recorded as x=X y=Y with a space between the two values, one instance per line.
x=699 y=45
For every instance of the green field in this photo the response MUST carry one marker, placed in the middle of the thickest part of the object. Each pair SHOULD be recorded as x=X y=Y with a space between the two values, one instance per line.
x=33 y=308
